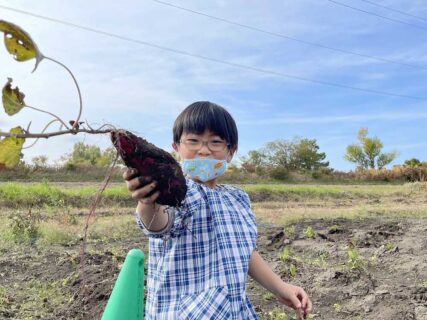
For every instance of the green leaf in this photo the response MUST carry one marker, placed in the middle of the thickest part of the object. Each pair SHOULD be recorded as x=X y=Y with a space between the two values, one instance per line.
x=10 y=149
x=19 y=43
x=13 y=99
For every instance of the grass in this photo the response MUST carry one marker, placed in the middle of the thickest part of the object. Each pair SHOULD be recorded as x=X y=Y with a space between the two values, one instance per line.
x=62 y=229
x=57 y=195
x=284 y=213
x=323 y=189
x=36 y=293
x=41 y=194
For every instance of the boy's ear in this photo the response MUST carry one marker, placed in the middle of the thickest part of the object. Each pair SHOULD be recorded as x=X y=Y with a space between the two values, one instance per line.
x=230 y=155
x=174 y=146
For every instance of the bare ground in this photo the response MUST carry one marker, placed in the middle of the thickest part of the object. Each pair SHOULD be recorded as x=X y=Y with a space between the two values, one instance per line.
x=387 y=281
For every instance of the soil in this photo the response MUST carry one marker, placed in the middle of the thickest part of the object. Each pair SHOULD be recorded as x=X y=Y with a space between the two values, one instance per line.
x=388 y=280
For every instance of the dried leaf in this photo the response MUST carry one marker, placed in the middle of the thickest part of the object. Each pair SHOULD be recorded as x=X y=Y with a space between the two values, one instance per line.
x=13 y=99
x=19 y=43
x=10 y=149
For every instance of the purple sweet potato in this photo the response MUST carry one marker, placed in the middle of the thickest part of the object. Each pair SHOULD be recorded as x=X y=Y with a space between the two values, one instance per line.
x=153 y=162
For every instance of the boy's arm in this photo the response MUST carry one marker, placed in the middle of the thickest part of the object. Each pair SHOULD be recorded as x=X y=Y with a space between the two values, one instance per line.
x=261 y=272
x=290 y=295
x=153 y=216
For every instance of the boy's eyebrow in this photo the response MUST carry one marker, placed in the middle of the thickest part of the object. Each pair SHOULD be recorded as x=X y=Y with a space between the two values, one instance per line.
x=213 y=134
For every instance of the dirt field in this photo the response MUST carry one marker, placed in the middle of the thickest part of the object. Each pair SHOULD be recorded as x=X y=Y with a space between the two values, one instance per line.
x=373 y=267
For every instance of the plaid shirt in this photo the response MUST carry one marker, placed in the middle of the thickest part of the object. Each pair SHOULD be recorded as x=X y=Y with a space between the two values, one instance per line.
x=198 y=265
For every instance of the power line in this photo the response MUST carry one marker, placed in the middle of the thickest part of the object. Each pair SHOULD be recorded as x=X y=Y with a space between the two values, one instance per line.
x=232 y=64
x=279 y=35
x=377 y=15
x=395 y=10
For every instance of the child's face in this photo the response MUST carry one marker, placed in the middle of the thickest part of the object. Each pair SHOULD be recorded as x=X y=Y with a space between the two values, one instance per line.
x=188 y=148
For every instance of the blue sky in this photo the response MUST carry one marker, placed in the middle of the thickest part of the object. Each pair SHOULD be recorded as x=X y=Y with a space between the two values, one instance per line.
x=143 y=88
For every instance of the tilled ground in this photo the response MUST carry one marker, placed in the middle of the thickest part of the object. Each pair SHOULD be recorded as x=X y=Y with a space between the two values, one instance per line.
x=372 y=268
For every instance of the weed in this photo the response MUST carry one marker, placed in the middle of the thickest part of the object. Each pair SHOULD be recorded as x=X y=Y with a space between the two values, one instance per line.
x=268 y=296
x=285 y=254
x=289 y=231
x=354 y=260
x=293 y=270
x=51 y=233
x=335 y=228
x=390 y=246
x=373 y=261
x=424 y=284
x=24 y=227
x=276 y=314
x=2 y=296
x=309 y=232
x=337 y=307
x=40 y=297
x=322 y=259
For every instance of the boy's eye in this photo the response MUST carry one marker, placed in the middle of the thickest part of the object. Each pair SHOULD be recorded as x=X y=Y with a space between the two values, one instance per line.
x=192 y=141
x=217 y=142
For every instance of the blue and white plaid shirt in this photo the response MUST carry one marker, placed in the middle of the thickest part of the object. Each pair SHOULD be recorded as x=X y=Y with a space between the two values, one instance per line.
x=198 y=265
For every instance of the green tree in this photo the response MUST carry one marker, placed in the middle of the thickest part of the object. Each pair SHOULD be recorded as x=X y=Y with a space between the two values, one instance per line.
x=254 y=161
x=279 y=153
x=107 y=157
x=412 y=163
x=89 y=155
x=367 y=154
x=85 y=154
x=298 y=154
x=306 y=155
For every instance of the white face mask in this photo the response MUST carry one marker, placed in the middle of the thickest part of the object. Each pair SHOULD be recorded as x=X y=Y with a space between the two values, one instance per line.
x=203 y=169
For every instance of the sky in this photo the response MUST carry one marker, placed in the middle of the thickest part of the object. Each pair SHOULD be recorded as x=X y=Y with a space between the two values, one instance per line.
x=132 y=75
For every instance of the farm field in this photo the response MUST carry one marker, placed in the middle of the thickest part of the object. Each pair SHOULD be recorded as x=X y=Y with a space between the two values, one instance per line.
x=359 y=250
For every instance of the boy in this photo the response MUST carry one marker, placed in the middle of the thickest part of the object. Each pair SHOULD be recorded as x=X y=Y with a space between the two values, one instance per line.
x=200 y=253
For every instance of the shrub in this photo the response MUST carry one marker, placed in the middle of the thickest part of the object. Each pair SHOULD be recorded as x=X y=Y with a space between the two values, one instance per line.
x=24 y=227
x=279 y=173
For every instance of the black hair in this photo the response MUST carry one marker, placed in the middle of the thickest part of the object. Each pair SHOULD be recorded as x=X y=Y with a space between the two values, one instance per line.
x=204 y=115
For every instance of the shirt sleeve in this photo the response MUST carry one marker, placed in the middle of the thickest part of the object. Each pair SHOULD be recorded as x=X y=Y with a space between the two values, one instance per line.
x=246 y=202
x=178 y=217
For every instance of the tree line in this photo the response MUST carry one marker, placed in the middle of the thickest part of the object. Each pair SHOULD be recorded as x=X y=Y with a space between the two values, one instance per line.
x=276 y=158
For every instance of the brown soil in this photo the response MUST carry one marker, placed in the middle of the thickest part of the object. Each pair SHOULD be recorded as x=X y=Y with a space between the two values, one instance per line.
x=388 y=281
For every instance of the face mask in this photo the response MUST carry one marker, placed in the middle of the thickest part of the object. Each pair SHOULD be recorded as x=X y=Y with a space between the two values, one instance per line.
x=203 y=169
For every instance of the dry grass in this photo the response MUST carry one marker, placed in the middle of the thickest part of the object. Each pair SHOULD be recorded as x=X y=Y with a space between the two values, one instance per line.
x=281 y=213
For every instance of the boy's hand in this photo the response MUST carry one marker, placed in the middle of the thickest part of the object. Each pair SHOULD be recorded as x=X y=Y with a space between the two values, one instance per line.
x=141 y=187
x=296 y=298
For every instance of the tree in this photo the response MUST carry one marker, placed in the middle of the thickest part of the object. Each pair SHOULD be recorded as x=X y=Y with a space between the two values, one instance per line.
x=107 y=157
x=414 y=163
x=89 y=155
x=254 y=161
x=306 y=155
x=367 y=154
x=39 y=161
x=298 y=154
x=279 y=153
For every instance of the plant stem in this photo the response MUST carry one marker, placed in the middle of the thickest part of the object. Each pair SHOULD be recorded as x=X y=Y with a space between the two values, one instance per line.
x=78 y=90
x=53 y=115
x=44 y=129
x=52 y=134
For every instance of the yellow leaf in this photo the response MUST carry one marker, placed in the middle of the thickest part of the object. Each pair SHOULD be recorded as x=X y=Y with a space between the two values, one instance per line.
x=10 y=149
x=19 y=43
x=13 y=99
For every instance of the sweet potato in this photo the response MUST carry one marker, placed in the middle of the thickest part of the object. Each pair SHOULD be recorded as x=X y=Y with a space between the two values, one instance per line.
x=151 y=161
